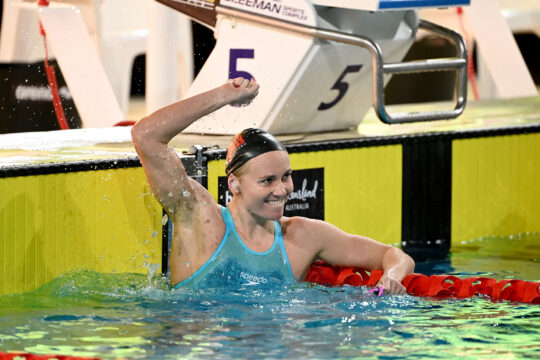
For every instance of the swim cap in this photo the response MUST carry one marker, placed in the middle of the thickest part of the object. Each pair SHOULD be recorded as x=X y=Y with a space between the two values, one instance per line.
x=248 y=144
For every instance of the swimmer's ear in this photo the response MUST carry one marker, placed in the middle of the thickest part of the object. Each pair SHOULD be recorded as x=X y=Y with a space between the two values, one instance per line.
x=233 y=185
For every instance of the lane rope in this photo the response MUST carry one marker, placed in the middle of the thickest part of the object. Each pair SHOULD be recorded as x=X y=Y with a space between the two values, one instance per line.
x=433 y=286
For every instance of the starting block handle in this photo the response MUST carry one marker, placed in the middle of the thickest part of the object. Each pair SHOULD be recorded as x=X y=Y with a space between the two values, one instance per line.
x=379 y=67
x=458 y=64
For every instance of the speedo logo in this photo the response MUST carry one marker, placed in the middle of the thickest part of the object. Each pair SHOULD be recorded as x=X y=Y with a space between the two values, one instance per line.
x=253 y=279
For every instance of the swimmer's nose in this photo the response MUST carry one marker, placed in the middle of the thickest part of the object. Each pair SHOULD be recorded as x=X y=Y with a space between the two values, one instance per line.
x=280 y=190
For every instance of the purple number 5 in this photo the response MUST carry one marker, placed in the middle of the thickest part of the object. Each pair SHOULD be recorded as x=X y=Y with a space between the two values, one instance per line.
x=340 y=86
x=236 y=54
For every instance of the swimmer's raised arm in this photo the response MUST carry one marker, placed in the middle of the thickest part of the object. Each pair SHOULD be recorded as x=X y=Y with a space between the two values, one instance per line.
x=164 y=170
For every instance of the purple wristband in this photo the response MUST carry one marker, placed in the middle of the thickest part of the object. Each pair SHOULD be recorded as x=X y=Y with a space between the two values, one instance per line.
x=379 y=288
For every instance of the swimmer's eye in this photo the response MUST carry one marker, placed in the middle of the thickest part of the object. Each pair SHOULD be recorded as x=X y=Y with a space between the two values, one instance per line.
x=270 y=179
x=267 y=180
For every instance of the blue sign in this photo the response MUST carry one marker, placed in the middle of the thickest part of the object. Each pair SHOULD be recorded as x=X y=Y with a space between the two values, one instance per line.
x=401 y=4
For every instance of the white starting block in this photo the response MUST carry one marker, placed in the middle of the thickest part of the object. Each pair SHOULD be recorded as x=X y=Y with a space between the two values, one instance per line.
x=311 y=62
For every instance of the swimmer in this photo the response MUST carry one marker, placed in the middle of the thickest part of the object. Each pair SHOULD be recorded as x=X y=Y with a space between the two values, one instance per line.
x=249 y=242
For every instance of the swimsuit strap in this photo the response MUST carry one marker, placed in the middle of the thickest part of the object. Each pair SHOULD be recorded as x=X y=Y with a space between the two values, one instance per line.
x=227 y=217
x=278 y=236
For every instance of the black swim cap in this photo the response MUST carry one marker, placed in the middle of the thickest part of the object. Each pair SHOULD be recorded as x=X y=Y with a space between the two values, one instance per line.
x=249 y=144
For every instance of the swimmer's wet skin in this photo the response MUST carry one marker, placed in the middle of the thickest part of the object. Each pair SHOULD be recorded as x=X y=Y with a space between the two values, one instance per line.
x=259 y=177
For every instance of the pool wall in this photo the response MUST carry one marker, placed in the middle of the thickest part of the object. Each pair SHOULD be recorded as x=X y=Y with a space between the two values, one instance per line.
x=495 y=186
x=56 y=219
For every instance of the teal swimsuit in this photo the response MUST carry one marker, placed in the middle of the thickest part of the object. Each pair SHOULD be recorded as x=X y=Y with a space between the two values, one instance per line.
x=233 y=265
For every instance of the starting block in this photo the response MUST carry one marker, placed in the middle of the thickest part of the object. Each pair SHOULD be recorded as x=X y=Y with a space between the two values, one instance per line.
x=311 y=62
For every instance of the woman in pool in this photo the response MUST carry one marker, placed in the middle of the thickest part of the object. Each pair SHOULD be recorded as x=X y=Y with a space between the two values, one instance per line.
x=250 y=242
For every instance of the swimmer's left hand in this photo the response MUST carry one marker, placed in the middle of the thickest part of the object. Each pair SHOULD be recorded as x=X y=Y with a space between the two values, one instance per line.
x=391 y=285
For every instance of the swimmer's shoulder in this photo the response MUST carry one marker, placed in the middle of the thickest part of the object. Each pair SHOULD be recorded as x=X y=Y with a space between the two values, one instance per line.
x=298 y=226
x=303 y=237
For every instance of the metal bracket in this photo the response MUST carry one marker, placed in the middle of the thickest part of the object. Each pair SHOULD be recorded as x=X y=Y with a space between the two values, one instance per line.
x=458 y=64
x=199 y=169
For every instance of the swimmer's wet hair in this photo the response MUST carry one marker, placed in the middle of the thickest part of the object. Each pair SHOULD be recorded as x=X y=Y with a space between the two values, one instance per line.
x=248 y=144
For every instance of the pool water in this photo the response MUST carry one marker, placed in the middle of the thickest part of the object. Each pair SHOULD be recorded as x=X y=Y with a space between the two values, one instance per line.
x=115 y=316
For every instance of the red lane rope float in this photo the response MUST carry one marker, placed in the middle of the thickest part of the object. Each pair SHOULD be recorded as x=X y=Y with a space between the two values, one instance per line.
x=435 y=286
x=51 y=77
x=28 y=356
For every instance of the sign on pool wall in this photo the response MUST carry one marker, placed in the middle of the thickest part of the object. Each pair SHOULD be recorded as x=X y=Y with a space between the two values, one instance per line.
x=307 y=199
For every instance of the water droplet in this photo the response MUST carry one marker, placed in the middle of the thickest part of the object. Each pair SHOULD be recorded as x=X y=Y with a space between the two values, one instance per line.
x=170 y=194
x=186 y=193
x=187 y=263
x=154 y=233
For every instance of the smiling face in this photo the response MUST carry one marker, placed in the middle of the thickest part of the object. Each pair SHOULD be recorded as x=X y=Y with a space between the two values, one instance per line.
x=264 y=183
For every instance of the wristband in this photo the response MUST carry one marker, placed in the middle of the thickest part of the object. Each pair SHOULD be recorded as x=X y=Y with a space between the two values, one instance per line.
x=379 y=288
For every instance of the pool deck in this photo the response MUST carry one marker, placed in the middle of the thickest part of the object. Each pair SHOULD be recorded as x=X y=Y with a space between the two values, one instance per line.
x=81 y=145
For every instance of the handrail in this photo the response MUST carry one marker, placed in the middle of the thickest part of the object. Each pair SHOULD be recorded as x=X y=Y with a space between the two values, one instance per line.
x=379 y=67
